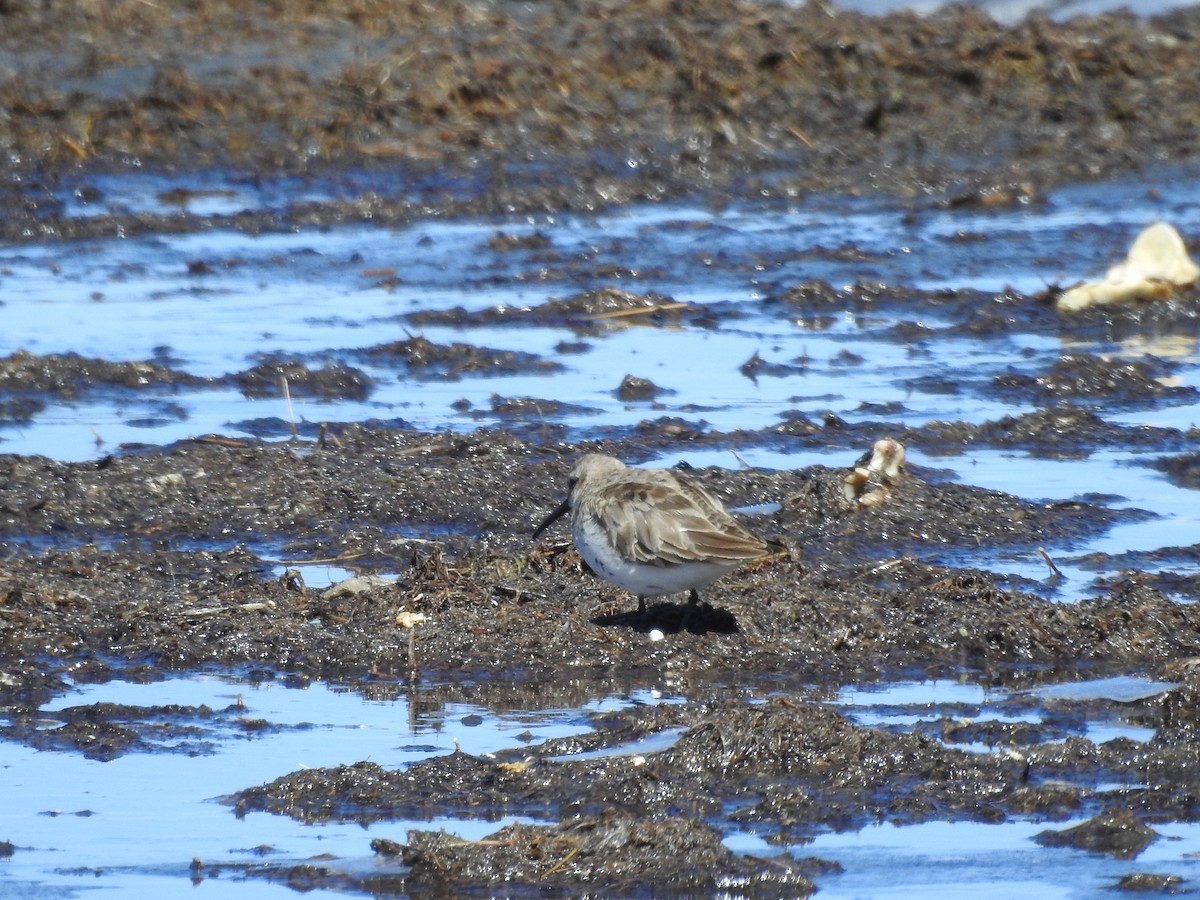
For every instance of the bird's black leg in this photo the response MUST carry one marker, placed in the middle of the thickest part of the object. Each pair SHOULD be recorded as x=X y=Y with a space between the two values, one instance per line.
x=693 y=602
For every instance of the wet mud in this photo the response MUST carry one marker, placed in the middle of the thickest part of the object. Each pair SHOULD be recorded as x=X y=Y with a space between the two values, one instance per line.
x=177 y=558
x=483 y=107
x=116 y=584
x=158 y=559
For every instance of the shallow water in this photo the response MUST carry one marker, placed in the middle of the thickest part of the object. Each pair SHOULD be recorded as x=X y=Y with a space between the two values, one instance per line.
x=134 y=825
x=1012 y=11
x=304 y=293
x=954 y=859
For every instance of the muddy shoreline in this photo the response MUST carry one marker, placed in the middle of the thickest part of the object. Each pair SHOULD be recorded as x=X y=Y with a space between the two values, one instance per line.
x=426 y=108
x=484 y=615
x=154 y=560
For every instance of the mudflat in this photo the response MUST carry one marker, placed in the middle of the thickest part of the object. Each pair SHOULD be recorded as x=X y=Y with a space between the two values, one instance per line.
x=147 y=560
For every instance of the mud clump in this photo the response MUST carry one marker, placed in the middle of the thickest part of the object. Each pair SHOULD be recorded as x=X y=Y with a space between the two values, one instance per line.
x=791 y=767
x=1183 y=471
x=618 y=853
x=1064 y=431
x=105 y=731
x=535 y=408
x=503 y=242
x=450 y=362
x=634 y=389
x=1116 y=381
x=756 y=367
x=589 y=313
x=1147 y=882
x=21 y=410
x=1120 y=834
x=69 y=374
x=294 y=378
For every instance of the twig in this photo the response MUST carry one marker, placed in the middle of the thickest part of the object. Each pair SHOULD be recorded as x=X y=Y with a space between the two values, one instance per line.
x=213 y=610
x=324 y=561
x=1056 y=573
x=890 y=564
x=287 y=396
x=562 y=862
x=221 y=441
x=639 y=311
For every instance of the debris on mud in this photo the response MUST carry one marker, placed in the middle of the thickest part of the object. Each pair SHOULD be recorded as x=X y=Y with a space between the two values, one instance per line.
x=1119 y=833
x=1088 y=377
x=425 y=359
x=1156 y=266
x=589 y=313
x=276 y=378
x=609 y=851
x=69 y=374
x=634 y=389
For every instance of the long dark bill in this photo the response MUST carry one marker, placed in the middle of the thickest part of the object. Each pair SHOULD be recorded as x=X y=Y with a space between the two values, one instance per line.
x=559 y=511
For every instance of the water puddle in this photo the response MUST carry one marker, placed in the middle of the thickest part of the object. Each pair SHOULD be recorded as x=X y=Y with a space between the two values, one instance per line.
x=135 y=823
x=1010 y=12
x=217 y=301
x=906 y=705
x=953 y=859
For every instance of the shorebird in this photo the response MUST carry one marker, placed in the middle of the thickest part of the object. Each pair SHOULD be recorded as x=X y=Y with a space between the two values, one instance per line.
x=651 y=531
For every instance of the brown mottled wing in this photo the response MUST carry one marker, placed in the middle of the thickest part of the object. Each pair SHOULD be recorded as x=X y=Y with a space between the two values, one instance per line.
x=673 y=521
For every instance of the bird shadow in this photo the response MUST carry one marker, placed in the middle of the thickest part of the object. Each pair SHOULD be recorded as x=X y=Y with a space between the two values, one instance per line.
x=672 y=618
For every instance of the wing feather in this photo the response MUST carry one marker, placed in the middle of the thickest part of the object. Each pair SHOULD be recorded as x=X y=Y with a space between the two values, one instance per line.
x=672 y=521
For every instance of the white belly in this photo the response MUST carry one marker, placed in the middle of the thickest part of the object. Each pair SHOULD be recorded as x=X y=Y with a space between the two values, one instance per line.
x=642 y=579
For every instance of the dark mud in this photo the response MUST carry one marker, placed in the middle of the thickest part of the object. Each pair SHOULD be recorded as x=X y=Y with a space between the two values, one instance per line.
x=424 y=359
x=788 y=769
x=630 y=856
x=178 y=558
x=477 y=106
x=104 y=731
x=163 y=554
x=158 y=559
x=589 y=313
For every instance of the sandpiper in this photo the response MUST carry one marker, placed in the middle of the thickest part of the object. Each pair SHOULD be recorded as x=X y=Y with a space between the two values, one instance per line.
x=651 y=531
